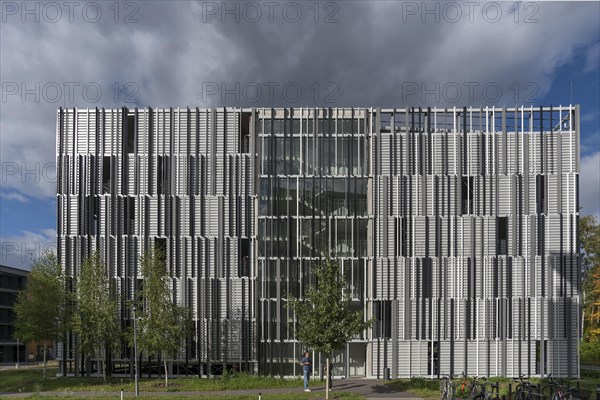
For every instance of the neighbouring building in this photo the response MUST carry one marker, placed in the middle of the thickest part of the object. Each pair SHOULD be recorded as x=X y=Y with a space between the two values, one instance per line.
x=455 y=228
x=12 y=280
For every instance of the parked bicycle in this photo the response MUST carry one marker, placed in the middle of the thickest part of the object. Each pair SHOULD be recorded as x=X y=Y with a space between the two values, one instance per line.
x=526 y=390
x=475 y=389
x=446 y=388
x=482 y=392
x=450 y=390
x=555 y=390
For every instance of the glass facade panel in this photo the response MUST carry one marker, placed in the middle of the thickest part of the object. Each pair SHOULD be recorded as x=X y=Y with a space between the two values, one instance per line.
x=293 y=278
x=294 y=156
x=295 y=126
x=310 y=157
x=316 y=207
x=271 y=273
x=278 y=126
x=280 y=156
x=327 y=155
x=356 y=286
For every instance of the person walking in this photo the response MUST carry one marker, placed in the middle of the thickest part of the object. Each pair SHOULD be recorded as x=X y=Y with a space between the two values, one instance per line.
x=306 y=369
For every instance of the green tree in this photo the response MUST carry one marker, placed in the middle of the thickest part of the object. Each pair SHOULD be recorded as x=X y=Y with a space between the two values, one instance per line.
x=42 y=308
x=162 y=324
x=325 y=320
x=589 y=237
x=97 y=315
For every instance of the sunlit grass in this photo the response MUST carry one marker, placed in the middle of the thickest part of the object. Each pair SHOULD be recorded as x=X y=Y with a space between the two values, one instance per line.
x=287 y=396
x=30 y=380
x=429 y=389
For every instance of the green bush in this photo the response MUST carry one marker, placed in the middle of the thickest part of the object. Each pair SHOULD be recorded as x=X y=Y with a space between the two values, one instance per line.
x=590 y=353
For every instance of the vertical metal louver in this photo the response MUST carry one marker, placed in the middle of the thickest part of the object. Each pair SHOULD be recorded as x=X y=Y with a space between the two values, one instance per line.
x=462 y=220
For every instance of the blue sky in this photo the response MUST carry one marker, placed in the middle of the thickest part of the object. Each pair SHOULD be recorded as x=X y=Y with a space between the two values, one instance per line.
x=358 y=53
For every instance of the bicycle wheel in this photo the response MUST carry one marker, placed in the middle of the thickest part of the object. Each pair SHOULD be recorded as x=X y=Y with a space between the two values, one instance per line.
x=519 y=394
x=522 y=394
x=445 y=395
x=549 y=392
x=566 y=395
x=445 y=390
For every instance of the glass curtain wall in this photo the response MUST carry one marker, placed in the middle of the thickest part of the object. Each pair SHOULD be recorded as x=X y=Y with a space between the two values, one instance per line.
x=312 y=205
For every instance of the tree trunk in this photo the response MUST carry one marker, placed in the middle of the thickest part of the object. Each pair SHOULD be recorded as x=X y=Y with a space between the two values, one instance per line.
x=103 y=359
x=76 y=355
x=327 y=378
x=44 y=360
x=166 y=371
x=64 y=355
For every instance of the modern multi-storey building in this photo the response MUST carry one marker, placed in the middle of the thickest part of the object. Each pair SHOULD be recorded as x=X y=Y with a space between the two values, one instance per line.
x=455 y=229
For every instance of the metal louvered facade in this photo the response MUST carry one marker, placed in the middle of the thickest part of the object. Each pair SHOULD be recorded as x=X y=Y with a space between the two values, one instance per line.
x=455 y=229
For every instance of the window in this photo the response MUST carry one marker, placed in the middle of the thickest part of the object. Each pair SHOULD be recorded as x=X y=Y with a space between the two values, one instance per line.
x=540 y=194
x=244 y=267
x=106 y=175
x=404 y=237
x=433 y=353
x=130 y=135
x=161 y=245
x=245 y=132
x=502 y=236
x=93 y=208
x=268 y=124
x=278 y=162
x=295 y=126
x=382 y=311
x=278 y=126
x=294 y=282
x=129 y=216
x=293 y=145
x=163 y=169
x=467 y=195
x=348 y=126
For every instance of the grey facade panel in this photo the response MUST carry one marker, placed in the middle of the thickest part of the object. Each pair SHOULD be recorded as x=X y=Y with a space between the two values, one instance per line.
x=454 y=228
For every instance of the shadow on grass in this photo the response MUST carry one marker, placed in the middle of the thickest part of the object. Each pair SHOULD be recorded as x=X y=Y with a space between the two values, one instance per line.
x=407 y=385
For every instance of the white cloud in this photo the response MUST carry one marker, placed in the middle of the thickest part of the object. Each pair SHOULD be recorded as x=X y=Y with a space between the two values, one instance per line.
x=589 y=184
x=14 y=196
x=22 y=249
x=590 y=116
x=590 y=143
x=592 y=58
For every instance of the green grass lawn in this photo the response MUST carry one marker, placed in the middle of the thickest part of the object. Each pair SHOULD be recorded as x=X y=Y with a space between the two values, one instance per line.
x=30 y=381
x=289 y=396
x=429 y=389
x=420 y=387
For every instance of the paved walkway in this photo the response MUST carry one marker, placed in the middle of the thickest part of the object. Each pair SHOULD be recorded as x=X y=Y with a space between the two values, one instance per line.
x=370 y=388
x=22 y=365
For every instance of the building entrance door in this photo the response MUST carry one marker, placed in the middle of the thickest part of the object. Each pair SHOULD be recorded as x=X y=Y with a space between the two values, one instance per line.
x=357 y=359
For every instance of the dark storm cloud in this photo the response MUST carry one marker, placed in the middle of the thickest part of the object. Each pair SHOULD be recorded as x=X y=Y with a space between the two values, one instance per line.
x=185 y=53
